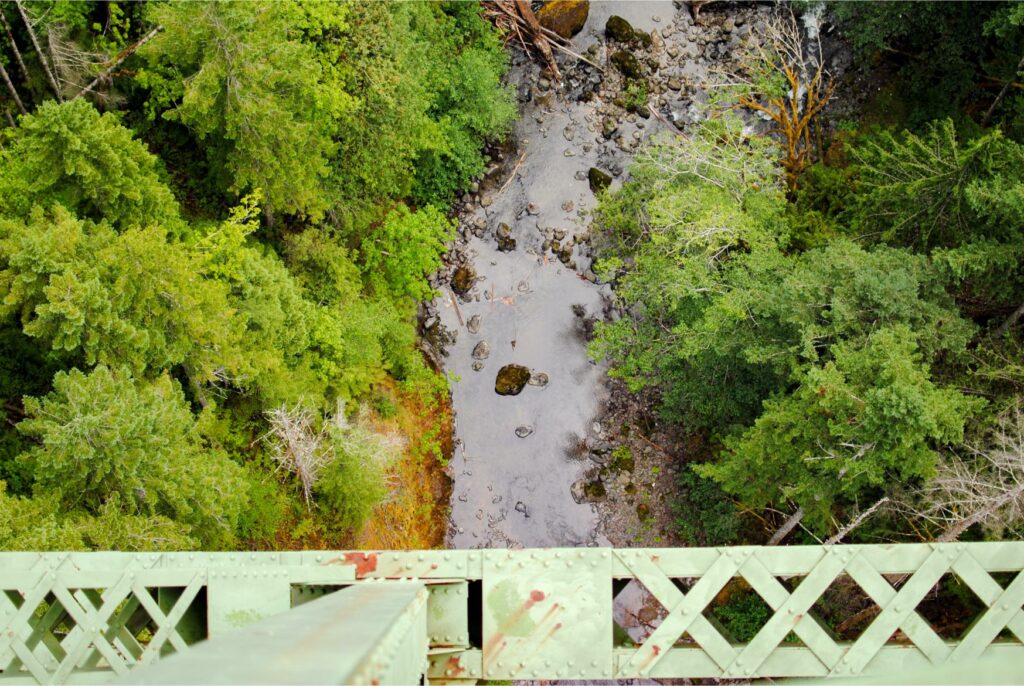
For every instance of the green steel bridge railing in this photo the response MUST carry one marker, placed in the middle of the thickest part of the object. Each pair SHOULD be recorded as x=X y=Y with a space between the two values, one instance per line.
x=457 y=616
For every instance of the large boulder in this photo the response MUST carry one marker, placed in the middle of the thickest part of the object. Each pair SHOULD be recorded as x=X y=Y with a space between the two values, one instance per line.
x=512 y=378
x=564 y=17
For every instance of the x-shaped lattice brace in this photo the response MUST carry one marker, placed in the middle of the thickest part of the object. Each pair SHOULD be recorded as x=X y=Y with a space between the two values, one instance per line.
x=96 y=629
x=684 y=612
x=791 y=610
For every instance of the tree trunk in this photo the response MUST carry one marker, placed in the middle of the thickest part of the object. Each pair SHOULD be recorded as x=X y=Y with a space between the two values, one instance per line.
x=39 y=51
x=787 y=527
x=1010 y=321
x=11 y=90
x=956 y=530
x=1002 y=94
x=14 y=47
x=858 y=520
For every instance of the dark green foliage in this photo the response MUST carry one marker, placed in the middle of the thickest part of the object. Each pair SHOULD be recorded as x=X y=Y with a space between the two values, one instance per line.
x=742 y=614
x=704 y=516
x=943 y=51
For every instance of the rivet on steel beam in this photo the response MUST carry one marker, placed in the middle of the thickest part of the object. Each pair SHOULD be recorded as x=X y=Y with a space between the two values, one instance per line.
x=791 y=611
x=593 y=663
x=1006 y=606
x=500 y=663
x=419 y=557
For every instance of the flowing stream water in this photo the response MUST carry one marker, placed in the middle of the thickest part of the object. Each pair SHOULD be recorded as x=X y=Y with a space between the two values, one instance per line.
x=513 y=463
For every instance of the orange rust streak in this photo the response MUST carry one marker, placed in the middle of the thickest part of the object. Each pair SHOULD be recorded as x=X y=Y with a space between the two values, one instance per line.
x=655 y=651
x=455 y=666
x=365 y=563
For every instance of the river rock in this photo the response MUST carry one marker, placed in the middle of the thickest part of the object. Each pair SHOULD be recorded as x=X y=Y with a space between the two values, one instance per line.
x=481 y=351
x=463 y=279
x=523 y=431
x=558 y=234
x=540 y=380
x=619 y=29
x=520 y=507
x=627 y=64
x=598 y=180
x=577 y=491
x=473 y=325
x=511 y=379
x=564 y=17
x=504 y=235
x=477 y=365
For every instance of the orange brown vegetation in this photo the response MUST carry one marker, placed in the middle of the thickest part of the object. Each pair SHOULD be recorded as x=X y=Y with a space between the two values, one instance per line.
x=415 y=516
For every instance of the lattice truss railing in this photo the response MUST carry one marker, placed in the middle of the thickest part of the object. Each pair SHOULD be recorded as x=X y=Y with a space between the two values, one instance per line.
x=521 y=614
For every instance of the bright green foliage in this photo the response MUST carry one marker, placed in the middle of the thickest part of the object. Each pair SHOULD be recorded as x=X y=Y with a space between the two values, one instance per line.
x=125 y=299
x=32 y=524
x=237 y=75
x=404 y=250
x=353 y=481
x=114 y=529
x=103 y=434
x=869 y=415
x=71 y=155
x=332 y=106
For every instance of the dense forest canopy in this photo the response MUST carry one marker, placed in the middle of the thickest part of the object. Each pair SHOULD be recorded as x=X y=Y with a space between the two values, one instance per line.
x=216 y=221
x=847 y=335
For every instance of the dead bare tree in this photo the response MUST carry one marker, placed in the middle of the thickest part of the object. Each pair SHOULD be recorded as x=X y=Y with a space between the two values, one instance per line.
x=305 y=444
x=986 y=487
x=14 y=46
x=298 y=446
x=118 y=59
x=785 y=81
x=39 y=51
x=12 y=90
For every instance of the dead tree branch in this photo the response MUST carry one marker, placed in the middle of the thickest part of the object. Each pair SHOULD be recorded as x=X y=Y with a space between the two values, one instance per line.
x=121 y=57
x=11 y=89
x=14 y=47
x=787 y=526
x=39 y=51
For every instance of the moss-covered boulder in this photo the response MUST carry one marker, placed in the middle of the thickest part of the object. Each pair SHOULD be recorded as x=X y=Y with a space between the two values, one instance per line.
x=618 y=29
x=564 y=17
x=599 y=180
x=512 y=378
x=628 y=64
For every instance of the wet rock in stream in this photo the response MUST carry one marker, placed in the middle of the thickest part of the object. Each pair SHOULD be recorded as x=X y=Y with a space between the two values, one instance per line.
x=598 y=180
x=481 y=351
x=540 y=380
x=463 y=279
x=505 y=241
x=524 y=431
x=473 y=325
x=511 y=379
